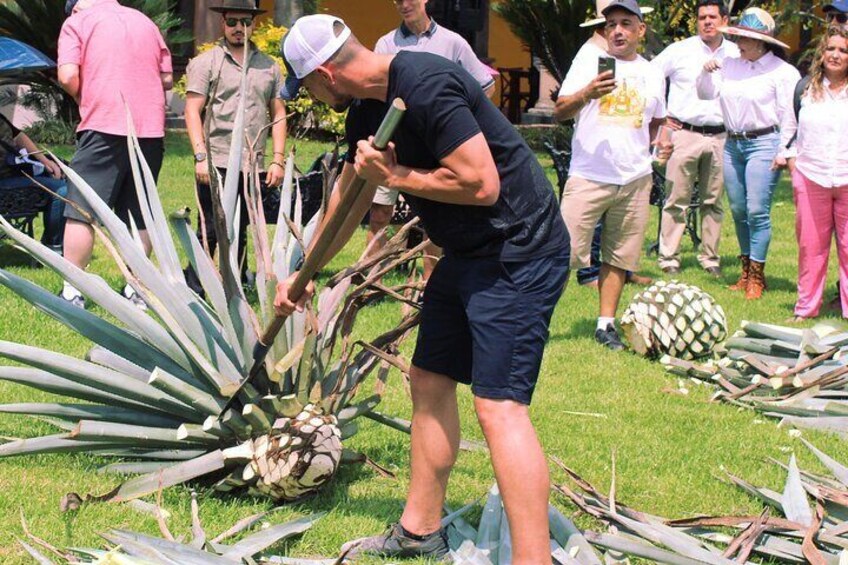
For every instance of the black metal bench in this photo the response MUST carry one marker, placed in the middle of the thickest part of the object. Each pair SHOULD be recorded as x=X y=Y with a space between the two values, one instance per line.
x=20 y=205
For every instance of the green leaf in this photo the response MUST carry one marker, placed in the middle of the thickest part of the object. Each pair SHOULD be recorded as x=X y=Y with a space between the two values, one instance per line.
x=177 y=474
x=77 y=412
x=253 y=544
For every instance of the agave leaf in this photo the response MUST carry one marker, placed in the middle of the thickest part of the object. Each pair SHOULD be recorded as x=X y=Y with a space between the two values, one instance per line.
x=139 y=468
x=136 y=436
x=794 y=499
x=99 y=291
x=48 y=382
x=488 y=532
x=87 y=324
x=75 y=412
x=839 y=471
x=505 y=543
x=35 y=554
x=102 y=356
x=172 y=455
x=199 y=400
x=242 y=525
x=94 y=375
x=208 y=275
x=162 y=551
x=57 y=443
x=177 y=474
x=637 y=548
x=570 y=538
x=253 y=544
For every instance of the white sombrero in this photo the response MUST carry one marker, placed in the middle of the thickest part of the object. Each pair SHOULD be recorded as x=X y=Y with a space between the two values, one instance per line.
x=757 y=24
x=600 y=6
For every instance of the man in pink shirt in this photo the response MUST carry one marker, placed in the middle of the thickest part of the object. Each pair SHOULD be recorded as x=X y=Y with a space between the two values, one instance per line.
x=109 y=56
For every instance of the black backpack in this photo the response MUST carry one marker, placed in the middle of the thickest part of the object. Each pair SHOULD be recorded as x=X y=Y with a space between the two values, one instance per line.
x=800 y=87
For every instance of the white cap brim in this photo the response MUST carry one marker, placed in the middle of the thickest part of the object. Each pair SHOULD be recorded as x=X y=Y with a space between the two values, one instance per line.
x=598 y=21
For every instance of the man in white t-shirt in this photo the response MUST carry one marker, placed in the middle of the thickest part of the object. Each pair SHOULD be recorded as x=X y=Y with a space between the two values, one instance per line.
x=698 y=140
x=616 y=117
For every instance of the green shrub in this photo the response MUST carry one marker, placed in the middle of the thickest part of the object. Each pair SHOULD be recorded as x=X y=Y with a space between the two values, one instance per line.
x=52 y=132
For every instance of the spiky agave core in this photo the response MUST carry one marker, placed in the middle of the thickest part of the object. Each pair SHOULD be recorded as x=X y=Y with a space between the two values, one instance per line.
x=673 y=318
x=157 y=381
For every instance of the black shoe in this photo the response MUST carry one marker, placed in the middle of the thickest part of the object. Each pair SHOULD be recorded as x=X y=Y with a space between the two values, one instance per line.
x=398 y=543
x=609 y=338
x=78 y=300
x=714 y=272
x=671 y=270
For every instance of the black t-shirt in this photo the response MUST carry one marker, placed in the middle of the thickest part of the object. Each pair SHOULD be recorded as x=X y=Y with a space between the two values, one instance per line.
x=445 y=108
x=8 y=133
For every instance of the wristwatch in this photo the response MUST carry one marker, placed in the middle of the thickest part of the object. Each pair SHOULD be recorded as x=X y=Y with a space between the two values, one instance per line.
x=199 y=157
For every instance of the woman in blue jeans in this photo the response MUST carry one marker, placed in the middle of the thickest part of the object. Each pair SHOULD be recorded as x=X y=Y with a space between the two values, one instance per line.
x=13 y=140
x=755 y=92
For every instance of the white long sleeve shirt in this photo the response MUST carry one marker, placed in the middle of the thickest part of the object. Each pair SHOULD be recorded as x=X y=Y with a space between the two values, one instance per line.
x=753 y=94
x=823 y=138
x=682 y=63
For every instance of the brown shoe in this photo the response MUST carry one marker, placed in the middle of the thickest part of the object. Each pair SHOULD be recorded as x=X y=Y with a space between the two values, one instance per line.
x=756 y=281
x=639 y=280
x=742 y=283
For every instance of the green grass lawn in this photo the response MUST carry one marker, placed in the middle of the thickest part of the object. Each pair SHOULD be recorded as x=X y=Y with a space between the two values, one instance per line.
x=670 y=449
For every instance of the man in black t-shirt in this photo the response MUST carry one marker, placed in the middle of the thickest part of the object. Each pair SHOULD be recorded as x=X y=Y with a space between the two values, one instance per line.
x=485 y=199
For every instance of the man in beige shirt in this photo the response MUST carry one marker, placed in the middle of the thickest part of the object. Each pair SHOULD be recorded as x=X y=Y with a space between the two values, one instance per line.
x=214 y=80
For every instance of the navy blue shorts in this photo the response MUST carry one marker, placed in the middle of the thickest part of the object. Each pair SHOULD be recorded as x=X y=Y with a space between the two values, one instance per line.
x=485 y=322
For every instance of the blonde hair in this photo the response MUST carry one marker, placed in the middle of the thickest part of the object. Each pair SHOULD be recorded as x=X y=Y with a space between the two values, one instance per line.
x=816 y=86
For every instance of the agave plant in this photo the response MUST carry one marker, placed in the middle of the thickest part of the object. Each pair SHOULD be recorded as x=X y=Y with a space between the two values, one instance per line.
x=157 y=381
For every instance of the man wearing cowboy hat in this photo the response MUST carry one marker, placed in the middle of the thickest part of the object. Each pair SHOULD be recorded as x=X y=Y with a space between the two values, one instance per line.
x=213 y=84
x=109 y=56
x=610 y=174
x=699 y=140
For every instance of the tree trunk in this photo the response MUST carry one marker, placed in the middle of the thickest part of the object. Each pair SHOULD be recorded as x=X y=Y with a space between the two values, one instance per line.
x=287 y=11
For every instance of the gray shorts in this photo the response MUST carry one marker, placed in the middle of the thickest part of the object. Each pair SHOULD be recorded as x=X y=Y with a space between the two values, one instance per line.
x=103 y=161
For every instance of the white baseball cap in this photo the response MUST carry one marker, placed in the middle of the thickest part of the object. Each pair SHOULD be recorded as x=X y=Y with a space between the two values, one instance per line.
x=309 y=43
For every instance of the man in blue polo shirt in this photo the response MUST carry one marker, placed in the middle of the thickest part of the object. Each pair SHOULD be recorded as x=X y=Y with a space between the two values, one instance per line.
x=419 y=32
x=486 y=200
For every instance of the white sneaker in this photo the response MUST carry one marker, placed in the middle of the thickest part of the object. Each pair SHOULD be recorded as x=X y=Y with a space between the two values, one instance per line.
x=131 y=295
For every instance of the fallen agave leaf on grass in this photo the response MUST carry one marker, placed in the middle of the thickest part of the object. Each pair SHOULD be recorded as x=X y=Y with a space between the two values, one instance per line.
x=132 y=548
x=156 y=381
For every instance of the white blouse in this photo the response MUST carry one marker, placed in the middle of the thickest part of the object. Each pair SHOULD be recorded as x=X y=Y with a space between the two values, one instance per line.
x=753 y=94
x=823 y=137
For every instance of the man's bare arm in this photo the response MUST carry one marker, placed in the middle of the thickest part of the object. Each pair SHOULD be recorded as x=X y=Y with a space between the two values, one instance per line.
x=167 y=80
x=569 y=106
x=69 y=78
x=468 y=175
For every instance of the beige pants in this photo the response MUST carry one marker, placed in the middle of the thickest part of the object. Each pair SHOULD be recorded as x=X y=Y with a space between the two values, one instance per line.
x=625 y=210
x=696 y=157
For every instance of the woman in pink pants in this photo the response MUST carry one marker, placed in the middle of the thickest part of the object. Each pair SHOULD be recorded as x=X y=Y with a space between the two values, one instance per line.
x=820 y=174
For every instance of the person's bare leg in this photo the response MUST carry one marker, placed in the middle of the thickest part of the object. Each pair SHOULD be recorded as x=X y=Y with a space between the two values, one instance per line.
x=610 y=284
x=79 y=242
x=432 y=254
x=378 y=218
x=434 y=446
x=522 y=476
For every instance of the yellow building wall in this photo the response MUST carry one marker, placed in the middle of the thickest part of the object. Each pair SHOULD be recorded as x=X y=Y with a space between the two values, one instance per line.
x=370 y=19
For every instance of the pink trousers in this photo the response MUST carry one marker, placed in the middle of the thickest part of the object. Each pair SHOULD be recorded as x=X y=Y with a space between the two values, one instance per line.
x=819 y=214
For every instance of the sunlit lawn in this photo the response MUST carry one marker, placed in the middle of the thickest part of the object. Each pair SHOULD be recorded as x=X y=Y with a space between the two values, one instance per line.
x=670 y=449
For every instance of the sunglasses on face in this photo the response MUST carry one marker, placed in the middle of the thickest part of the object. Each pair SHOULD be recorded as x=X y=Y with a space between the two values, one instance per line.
x=838 y=18
x=233 y=22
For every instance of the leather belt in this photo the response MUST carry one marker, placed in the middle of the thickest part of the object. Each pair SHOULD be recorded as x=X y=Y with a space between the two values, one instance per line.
x=703 y=130
x=752 y=134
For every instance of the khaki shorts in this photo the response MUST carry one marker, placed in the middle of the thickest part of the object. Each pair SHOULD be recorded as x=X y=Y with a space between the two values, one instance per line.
x=625 y=209
x=385 y=196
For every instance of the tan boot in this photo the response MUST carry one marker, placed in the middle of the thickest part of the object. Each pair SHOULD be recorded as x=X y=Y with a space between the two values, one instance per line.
x=756 y=281
x=742 y=283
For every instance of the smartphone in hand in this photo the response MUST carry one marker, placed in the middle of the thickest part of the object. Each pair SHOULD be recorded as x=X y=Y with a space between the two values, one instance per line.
x=606 y=64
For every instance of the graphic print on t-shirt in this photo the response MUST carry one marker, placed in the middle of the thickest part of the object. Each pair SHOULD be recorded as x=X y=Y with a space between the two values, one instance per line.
x=624 y=106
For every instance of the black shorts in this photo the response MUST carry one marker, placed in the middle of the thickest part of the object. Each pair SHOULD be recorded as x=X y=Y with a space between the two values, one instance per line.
x=103 y=161
x=485 y=322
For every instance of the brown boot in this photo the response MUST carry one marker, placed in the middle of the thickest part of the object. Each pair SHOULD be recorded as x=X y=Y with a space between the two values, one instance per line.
x=742 y=283
x=756 y=281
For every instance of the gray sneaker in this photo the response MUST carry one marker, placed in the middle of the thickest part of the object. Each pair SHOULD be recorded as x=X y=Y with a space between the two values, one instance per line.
x=131 y=295
x=397 y=543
